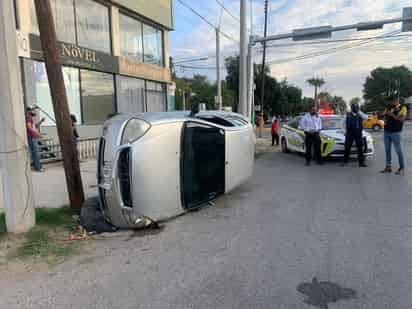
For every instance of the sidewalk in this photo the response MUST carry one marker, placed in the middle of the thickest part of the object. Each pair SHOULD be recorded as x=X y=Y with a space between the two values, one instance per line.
x=50 y=186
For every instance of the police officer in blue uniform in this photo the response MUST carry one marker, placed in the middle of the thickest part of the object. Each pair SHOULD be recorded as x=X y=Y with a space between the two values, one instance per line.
x=354 y=133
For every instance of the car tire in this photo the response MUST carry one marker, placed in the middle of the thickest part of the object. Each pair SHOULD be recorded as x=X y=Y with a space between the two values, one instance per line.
x=376 y=128
x=284 y=146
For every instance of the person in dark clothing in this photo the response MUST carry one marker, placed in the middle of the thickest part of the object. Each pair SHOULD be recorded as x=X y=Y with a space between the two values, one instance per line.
x=354 y=133
x=76 y=135
x=395 y=116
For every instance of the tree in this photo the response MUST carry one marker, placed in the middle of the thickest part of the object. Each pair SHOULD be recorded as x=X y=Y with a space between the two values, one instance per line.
x=317 y=83
x=384 y=82
x=355 y=100
x=336 y=103
x=199 y=89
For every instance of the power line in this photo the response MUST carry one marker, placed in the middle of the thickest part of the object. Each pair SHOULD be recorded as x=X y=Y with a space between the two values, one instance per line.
x=207 y=21
x=227 y=11
x=333 y=41
x=199 y=67
x=332 y=50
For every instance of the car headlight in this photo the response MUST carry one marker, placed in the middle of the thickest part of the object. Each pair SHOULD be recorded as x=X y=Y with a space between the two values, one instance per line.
x=134 y=129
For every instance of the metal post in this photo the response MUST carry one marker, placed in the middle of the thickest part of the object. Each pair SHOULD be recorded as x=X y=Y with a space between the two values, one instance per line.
x=250 y=80
x=243 y=60
x=14 y=159
x=262 y=94
x=218 y=82
x=60 y=105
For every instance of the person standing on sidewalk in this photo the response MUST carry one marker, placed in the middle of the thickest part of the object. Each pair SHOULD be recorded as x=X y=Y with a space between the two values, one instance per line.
x=395 y=116
x=275 y=131
x=33 y=136
x=311 y=124
x=354 y=132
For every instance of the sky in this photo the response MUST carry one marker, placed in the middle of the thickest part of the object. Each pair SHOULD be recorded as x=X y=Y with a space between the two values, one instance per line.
x=344 y=70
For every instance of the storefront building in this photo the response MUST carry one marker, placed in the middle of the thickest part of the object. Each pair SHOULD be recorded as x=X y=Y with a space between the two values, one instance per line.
x=114 y=55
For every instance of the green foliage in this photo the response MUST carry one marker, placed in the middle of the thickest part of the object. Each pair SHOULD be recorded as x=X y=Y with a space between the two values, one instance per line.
x=45 y=240
x=56 y=217
x=3 y=229
x=336 y=103
x=39 y=244
x=316 y=82
x=384 y=82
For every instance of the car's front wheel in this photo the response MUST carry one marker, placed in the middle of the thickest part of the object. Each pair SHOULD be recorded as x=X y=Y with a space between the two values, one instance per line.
x=376 y=128
x=284 y=145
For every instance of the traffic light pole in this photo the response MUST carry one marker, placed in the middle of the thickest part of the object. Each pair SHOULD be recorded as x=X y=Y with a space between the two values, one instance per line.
x=326 y=32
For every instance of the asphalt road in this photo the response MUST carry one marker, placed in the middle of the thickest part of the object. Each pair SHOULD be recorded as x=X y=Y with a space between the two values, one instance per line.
x=350 y=228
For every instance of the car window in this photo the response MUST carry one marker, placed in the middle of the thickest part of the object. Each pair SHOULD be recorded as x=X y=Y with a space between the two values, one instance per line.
x=217 y=120
x=332 y=123
x=237 y=121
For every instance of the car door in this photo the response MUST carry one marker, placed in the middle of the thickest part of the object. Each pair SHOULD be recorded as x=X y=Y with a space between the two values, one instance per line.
x=296 y=139
x=202 y=163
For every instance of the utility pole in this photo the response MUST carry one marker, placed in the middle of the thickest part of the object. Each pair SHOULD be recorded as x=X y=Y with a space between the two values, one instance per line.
x=14 y=156
x=184 y=99
x=262 y=94
x=218 y=81
x=243 y=59
x=60 y=106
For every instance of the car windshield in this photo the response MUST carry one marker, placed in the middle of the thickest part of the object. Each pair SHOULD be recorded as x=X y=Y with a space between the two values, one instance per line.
x=332 y=123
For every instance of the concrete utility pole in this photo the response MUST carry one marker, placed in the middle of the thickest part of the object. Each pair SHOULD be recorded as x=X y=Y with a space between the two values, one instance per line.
x=60 y=105
x=14 y=155
x=218 y=81
x=184 y=99
x=243 y=59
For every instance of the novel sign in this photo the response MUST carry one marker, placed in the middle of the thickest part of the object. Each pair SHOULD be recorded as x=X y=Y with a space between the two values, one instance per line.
x=77 y=56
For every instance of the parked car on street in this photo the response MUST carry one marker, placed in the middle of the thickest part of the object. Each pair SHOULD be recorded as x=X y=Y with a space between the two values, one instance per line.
x=154 y=166
x=332 y=138
x=374 y=123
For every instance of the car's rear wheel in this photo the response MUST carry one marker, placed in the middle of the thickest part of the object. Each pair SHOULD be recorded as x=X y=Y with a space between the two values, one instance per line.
x=284 y=145
x=376 y=128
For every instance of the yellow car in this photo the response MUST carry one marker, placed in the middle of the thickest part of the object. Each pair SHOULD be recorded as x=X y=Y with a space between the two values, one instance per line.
x=374 y=123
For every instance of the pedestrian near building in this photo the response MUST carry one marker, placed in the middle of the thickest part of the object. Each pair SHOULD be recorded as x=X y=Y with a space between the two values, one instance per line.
x=311 y=124
x=275 y=131
x=33 y=136
x=76 y=135
x=395 y=115
x=354 y=133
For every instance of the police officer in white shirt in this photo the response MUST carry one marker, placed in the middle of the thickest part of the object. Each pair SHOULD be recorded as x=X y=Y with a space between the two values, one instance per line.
x=311 y=124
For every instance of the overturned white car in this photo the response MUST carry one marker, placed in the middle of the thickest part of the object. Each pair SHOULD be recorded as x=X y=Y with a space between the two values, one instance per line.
x=154 y=166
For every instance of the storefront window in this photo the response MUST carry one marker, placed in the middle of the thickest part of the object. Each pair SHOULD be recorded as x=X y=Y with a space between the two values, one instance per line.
x=131 y=44
x=93 y=30
x=38 y=93
x=63 y=14
x=130 y=95
x=97 y=96
x=152 y=45
x=156 y=97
